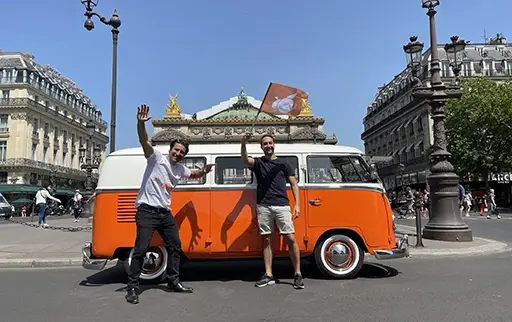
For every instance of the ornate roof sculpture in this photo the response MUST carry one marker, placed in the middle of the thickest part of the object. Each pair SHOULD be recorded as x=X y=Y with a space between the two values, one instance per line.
x=239 y=109
x=229 y=120
x=173 y=109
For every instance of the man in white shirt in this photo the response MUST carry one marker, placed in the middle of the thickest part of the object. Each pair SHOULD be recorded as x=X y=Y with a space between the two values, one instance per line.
x=162 y=174
x=77 y=205
x=41 y=199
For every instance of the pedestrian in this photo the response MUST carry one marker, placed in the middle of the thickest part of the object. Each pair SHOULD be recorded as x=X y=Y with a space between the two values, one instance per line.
x=461 y=194
x=272 y=205
x=153 y=202
x=491 y=202
x=77 y=205
x=42 y=197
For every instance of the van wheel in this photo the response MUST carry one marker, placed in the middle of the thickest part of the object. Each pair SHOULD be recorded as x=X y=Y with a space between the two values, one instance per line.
x=154 y=266
x=339 y=256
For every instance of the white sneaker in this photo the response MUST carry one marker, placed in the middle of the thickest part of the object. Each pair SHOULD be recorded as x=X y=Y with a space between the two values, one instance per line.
x=46 y=225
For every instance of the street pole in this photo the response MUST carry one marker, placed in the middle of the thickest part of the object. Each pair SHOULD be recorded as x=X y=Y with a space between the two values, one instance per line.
x=115 y=23
x=445 y=222
x=90 y=158
x=113 y=103
x=418 y=204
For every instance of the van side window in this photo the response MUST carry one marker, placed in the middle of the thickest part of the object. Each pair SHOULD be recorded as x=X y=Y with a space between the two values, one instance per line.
x=335 y=169
x=294 y=163
x=231 y=170
x=193 y=163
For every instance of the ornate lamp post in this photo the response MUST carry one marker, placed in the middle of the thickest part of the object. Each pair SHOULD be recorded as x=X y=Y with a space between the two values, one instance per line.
x=445 y=222
x=90 y=159
x=455 y=51
x=413 y=52
x=52 y=180
x=115 y=22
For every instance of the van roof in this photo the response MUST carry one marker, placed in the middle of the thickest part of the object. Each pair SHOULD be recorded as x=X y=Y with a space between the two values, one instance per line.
x=251 y=148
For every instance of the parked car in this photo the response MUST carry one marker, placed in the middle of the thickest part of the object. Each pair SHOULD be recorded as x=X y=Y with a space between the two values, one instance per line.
x=6 y=209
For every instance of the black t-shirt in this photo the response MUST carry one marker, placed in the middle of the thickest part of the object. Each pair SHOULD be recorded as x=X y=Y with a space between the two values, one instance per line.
x=272 y=176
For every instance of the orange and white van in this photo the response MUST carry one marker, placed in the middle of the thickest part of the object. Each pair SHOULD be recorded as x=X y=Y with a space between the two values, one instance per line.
x=344 y=209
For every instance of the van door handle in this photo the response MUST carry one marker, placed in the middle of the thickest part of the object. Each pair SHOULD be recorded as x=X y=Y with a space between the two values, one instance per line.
x=315 y=202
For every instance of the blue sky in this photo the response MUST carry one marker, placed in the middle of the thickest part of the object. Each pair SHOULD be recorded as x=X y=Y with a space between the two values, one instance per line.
x=339 y=51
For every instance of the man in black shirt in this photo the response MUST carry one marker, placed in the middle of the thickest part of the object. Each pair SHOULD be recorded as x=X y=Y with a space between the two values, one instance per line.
x=272 y=205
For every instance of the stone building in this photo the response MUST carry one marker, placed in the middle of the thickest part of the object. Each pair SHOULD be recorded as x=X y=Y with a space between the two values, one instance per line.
x=43 y=117
x=228 y=121
x=400 y=129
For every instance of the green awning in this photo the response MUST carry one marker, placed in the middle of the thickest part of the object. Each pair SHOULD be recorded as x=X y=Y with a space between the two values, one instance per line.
x=22 y=200
x=64 y=191
x=18 y=188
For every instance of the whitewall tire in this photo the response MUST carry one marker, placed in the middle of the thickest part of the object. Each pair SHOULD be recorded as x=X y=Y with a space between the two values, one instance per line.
x=339 y=256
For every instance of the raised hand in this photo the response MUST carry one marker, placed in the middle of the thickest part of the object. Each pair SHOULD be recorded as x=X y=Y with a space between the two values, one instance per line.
x=247 y=136
x=142 y=113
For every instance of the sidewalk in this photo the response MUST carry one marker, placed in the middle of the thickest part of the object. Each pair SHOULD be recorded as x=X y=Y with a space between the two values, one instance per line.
x=26 y=246
x=23 y=246
x=434 y=248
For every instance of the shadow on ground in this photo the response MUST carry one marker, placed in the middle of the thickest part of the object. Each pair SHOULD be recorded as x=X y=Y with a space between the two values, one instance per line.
x=226 y=271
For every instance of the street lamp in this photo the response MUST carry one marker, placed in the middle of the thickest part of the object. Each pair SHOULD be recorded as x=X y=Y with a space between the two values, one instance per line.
x=115 y=22
x=455 y=51
x=445 y=222
x=413 y=52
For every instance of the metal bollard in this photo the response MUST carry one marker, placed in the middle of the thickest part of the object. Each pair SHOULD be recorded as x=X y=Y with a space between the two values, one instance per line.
x=418 y=203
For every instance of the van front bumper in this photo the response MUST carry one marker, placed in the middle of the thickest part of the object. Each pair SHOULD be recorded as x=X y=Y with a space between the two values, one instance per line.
x=91 y=263
x=401 y=251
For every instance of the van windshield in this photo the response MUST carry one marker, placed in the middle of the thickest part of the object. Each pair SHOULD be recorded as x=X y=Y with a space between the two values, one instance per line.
x=329 y=169
x=2 y=199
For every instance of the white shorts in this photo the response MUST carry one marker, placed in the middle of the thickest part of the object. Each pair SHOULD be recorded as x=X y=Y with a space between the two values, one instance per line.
x=281 y=215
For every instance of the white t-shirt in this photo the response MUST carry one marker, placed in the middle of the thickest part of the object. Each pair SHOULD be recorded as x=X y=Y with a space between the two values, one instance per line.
x=159 y=172
x=42 y=195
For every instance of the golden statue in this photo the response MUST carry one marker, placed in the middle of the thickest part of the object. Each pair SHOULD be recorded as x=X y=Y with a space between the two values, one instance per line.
x=306 y=108
x=173 y=108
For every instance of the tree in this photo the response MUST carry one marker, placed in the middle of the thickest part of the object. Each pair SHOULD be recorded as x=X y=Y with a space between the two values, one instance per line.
x=479 y=128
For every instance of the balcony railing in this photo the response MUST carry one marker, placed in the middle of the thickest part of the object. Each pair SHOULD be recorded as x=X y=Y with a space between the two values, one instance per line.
x=22 y=102
x=22 y=162
x=38 y=87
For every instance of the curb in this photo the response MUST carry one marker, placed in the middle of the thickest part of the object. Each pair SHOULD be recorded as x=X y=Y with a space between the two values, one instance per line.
x=45 y=263
x=491 y=247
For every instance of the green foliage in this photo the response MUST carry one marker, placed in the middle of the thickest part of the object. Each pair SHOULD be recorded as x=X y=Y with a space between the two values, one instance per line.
x=479 y=127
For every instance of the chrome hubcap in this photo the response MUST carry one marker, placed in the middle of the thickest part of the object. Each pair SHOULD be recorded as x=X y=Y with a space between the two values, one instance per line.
x=339 y=255
x=152 y=262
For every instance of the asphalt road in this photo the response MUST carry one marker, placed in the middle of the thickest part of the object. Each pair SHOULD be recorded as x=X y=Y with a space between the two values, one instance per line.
x=412 y=290
x=436 y=289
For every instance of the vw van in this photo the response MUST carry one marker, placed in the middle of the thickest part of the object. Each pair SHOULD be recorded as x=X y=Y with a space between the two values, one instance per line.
x=345 y=213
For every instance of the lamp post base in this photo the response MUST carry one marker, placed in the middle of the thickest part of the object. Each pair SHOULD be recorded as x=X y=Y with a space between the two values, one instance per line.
x=445 y=222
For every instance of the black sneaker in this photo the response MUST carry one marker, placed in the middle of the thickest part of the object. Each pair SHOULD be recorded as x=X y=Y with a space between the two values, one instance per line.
x=265 y=280
x=132 y=296
x=298 y=282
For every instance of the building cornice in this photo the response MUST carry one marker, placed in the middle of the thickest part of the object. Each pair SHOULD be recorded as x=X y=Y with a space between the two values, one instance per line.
x=22 y=103
x=46 y=96
x=292 y=120
x=28 y=165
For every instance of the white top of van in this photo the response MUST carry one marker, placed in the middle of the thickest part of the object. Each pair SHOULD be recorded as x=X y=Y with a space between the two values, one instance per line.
x=124 y=169
x=219 y=149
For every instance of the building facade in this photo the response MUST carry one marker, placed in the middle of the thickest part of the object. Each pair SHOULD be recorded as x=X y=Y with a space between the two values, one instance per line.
x=43 y=117
x=228 y=121
x=399 y=130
